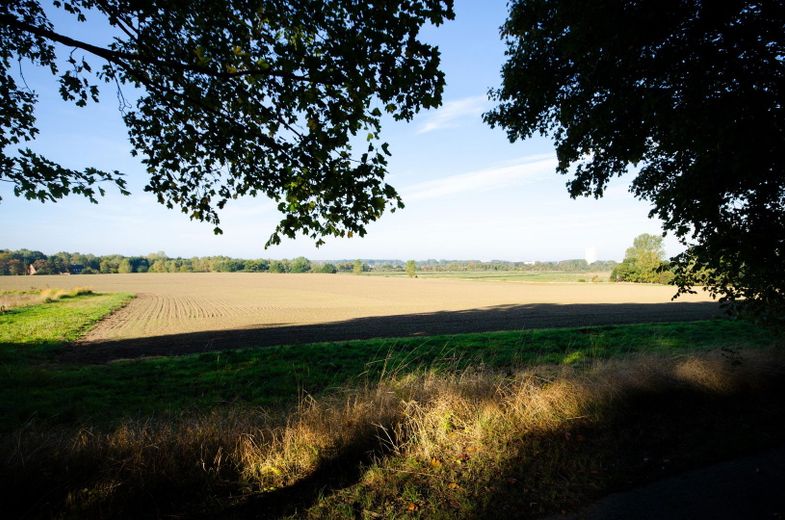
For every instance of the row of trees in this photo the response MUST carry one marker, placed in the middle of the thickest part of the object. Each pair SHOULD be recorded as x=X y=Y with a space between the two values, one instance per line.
x=571 y=266
x=644 y=262
x=18 y=262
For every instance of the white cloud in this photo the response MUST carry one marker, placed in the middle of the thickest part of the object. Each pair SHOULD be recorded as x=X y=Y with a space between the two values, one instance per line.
x=484 y=180
x=449 y=114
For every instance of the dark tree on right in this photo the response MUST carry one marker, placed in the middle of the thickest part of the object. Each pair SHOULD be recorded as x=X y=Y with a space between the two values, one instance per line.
x=687 y=96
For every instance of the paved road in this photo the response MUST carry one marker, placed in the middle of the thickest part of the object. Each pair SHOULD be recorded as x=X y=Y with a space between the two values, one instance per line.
x=749 y=488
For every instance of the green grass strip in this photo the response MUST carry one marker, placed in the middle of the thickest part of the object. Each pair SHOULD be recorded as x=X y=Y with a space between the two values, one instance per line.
x=32 y=328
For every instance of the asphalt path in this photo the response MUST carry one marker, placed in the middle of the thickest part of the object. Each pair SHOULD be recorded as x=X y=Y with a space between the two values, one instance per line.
x=748 y=488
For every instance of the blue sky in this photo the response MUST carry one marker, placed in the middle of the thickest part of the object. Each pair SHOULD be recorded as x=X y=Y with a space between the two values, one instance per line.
x=469 y=193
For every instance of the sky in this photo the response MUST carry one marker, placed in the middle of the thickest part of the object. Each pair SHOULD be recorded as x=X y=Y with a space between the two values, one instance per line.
x=469 y=192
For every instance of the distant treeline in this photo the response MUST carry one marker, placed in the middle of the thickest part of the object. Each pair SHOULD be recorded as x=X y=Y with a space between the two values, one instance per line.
x=570 y=266
x=24 y=261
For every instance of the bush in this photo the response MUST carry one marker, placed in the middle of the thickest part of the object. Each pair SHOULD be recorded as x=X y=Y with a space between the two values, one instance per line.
x=328 y=268
x=632 y=271
x=300 y=265
x=279 y=266
x=256 y=266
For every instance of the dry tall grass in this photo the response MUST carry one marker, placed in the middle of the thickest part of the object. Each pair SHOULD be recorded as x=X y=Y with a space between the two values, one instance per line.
x=452 y=431
x=11 y=299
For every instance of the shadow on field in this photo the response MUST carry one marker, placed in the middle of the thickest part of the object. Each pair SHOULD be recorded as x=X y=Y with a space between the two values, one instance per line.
x=487 y=319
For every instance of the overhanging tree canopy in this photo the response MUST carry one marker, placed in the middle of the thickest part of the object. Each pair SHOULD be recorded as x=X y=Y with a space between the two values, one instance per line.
x=239 y=97
x=689 y=91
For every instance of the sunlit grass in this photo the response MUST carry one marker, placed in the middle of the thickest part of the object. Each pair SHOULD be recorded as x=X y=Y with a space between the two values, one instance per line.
x=66 y=315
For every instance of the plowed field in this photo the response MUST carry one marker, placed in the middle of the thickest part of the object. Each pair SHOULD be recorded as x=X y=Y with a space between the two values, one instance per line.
x=359 y=306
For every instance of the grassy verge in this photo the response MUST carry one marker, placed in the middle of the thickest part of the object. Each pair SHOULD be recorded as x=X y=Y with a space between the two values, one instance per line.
x=66 y=315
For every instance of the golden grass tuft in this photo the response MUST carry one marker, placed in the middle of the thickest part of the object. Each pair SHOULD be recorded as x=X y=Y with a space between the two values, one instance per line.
x=51 y=295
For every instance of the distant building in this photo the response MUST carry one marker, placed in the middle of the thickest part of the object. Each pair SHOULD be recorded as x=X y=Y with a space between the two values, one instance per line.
x=31 y=270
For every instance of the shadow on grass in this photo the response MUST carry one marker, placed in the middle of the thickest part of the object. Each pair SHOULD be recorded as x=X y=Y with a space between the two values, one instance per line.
x=646 y=436
x=332 y=475
x=649 y=437
x=488 y=319
x=183 y=495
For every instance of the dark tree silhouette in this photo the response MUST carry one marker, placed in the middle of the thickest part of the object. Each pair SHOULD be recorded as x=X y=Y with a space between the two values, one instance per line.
x=238 y=97
x=688 y=91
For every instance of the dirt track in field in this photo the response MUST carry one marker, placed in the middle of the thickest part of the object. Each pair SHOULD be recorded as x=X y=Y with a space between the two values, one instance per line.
x=199 y=311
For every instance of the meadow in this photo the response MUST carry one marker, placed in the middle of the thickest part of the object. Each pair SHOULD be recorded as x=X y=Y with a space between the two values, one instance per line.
x=461 y=425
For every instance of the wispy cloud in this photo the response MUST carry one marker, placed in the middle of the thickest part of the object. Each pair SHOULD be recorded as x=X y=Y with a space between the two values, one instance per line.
x=484 y=180
x=451 y=113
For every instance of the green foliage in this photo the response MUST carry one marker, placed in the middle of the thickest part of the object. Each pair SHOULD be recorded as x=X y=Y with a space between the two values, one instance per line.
x=256 y=266
x=327 y=268
x=690 y=93
x=358 y=267
x=107 y=266
x=509 y=276
x=229 y=266
x=646 y=249
x=125 y=266
x=158 y=266
x=411 y=268
x=16 y=263
x=300 y=265
x=278 y=266
x=234 y=99
x=476 y=266
x=644 y=262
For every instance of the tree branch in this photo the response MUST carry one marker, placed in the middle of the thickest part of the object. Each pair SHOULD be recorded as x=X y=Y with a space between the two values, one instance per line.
x=122 y=57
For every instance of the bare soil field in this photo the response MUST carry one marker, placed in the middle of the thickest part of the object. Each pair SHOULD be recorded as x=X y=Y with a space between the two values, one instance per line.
x=196 y=311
